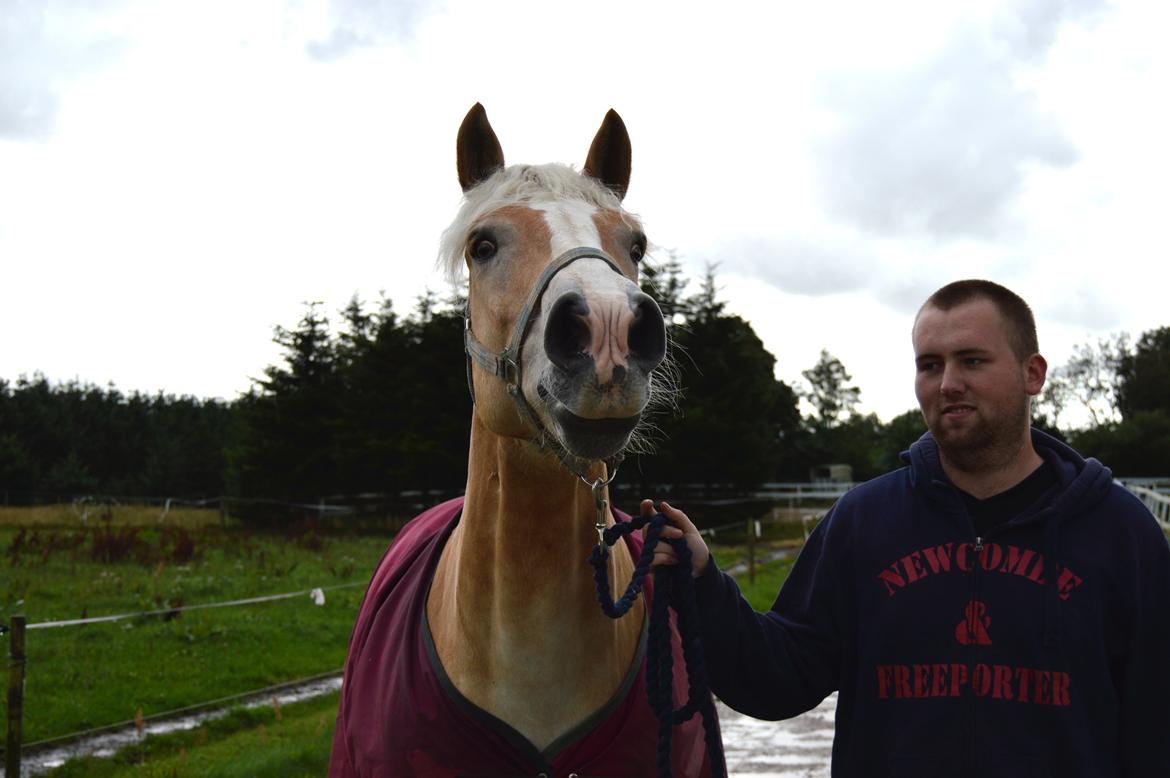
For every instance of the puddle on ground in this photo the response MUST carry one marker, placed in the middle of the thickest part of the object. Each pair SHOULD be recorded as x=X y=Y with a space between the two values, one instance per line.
x=107 y=743
x=796 y=748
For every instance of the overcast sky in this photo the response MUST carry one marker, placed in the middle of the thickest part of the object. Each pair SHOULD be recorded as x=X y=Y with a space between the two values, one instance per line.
x=178 y=178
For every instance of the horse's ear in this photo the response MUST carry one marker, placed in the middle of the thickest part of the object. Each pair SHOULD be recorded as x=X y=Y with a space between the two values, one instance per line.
x=477 y=149
x=609 y=155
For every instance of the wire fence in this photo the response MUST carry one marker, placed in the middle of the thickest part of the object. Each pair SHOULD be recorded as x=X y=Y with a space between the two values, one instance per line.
x=727 y=504
x=316 y=593
x=17 y=669
x=85 y=506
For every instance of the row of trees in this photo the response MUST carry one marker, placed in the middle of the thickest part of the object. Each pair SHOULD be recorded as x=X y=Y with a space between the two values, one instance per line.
x=380 y=404
x=737 y=423
x=1122 y=391
x=77 y=439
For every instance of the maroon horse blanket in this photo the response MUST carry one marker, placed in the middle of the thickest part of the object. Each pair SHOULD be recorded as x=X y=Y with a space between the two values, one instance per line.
x=400 y=715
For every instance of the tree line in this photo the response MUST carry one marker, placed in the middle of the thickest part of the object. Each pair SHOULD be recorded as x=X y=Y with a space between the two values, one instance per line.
x=378 y=403
x=73 y=438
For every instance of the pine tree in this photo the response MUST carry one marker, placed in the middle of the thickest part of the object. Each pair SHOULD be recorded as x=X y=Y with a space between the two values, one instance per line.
x=832 y=398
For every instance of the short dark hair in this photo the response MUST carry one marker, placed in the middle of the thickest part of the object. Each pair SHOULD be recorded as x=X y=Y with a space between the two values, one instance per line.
x=1021 y=325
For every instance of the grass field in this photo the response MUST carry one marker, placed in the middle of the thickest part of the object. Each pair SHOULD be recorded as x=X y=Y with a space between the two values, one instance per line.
x=89 y=676
x=84 y=677
x=763 y=591
x=290 y=742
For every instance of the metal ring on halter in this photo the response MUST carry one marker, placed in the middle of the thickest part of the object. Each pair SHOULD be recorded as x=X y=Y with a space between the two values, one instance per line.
x=598 y=482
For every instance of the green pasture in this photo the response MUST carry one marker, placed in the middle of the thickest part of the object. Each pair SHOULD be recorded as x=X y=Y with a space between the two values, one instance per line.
x=84 y=677
x=769 y=575
x=90 y=676
x=288 y=742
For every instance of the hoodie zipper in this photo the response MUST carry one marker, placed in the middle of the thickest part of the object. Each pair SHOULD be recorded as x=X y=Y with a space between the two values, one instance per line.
x=974 y=709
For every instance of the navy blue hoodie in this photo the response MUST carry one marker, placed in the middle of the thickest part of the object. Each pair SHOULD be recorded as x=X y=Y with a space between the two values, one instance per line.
x=1042 y=649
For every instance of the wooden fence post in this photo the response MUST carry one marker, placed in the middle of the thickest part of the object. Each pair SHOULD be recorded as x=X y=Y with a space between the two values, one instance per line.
x=15 y=697
x=751 y=531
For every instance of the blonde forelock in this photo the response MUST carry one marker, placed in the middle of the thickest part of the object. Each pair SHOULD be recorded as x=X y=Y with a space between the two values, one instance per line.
x=519 y=185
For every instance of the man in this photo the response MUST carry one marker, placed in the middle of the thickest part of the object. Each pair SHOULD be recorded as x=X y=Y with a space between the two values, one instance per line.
x=999 y=607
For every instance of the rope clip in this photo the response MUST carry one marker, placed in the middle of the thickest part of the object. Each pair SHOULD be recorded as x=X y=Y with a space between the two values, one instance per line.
x=602 y=504
x=597 y=487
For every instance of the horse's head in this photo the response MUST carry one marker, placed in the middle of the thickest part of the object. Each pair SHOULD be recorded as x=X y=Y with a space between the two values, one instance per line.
x=561 y=339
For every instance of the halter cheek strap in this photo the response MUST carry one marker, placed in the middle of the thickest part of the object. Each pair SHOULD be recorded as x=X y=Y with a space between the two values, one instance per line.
x=506 y=364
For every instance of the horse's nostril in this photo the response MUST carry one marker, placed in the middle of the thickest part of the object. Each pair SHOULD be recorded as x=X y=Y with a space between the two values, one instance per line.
x=647 y=333
x=566 y=336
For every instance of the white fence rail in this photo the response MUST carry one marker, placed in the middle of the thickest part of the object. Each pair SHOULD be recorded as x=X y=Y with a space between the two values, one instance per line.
x=814 y=490
x=1156 y=500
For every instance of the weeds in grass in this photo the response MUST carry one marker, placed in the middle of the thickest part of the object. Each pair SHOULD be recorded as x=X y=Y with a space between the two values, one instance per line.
x=311 y=541
x=112 y=544
x=16 y=547
x=40 y=546
x=343 y=570
x=183 y=550
x=107 y=543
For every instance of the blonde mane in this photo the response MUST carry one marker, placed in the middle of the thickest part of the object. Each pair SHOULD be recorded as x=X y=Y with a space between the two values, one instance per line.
x=520 y=184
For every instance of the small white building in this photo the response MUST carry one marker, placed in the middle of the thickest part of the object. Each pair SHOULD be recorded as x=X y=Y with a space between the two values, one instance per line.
x=832 y=474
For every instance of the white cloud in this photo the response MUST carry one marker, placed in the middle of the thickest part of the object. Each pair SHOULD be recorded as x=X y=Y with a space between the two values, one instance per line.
x=345 y=26
x=1028 y=28
x=809 y=265
x=44 y=45
x=940 y=147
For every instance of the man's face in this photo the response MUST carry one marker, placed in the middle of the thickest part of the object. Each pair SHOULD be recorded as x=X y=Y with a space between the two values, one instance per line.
x=973 y=390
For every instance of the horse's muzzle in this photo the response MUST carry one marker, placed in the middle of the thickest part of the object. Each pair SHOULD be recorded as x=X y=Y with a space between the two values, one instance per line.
x=608 y=339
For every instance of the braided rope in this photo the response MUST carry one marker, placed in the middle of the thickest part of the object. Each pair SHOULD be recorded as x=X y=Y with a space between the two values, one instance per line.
x=673 y=586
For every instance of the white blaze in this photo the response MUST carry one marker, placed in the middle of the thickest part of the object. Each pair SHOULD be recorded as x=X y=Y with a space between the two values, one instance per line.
x=607 y=294
x=571 y=224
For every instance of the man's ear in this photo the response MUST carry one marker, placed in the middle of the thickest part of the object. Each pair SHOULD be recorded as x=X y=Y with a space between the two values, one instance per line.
x=1035 y=372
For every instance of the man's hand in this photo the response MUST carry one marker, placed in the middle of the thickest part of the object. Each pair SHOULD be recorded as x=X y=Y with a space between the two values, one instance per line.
x=677 y=526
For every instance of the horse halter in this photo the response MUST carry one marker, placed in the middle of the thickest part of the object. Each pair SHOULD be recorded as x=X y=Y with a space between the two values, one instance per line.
x=506 y=364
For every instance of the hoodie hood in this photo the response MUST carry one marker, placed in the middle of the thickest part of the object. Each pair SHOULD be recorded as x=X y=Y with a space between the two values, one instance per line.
x=1082 y=484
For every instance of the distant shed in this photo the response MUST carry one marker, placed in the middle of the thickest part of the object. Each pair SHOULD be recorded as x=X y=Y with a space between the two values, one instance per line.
x=831 y=474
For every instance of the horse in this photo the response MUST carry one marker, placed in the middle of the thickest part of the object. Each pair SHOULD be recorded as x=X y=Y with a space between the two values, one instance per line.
x=480 y=648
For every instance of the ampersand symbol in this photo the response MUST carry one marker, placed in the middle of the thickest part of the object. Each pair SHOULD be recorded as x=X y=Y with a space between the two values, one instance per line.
x=972 y=630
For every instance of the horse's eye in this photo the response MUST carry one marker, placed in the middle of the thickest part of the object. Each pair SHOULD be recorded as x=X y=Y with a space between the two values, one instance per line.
x=638 y=250
x=482 y=249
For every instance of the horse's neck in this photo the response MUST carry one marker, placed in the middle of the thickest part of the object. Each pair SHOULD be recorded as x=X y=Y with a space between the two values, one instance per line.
x=512 y=608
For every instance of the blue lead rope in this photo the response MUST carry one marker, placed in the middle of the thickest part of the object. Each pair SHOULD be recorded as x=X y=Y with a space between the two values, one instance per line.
x=672 y=584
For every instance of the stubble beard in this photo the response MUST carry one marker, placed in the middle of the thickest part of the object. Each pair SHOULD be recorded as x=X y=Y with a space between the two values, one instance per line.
x=988 y=446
